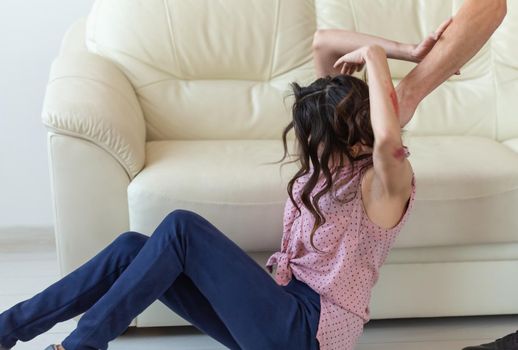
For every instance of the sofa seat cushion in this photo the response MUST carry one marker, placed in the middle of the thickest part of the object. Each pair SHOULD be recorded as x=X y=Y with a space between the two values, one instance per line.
x=466 y=187
x=225 y=181
x=456 y=168
x=512 y=144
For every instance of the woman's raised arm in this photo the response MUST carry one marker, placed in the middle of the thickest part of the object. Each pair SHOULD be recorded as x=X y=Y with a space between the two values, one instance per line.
x=392 y=171
x=330 y=44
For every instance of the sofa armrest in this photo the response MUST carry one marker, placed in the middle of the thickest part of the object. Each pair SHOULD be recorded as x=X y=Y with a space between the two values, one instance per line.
x=90 y=98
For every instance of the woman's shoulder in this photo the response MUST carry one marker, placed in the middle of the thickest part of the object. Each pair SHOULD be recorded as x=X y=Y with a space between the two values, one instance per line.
x=370 y=214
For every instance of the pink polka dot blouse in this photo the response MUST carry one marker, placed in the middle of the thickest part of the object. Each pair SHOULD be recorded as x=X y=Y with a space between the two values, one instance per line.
x=355 y=250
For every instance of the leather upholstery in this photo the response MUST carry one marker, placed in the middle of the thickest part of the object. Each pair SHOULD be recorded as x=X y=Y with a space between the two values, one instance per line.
x=88 y=97
x=157 y=105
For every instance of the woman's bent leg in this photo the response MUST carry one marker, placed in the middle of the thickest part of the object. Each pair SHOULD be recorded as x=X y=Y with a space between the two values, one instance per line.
x=71 y=295
x=184 y=298
x=258 y=313
x=80 y=289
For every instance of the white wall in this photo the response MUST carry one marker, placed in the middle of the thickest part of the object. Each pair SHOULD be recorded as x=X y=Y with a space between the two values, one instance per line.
x=30 y=35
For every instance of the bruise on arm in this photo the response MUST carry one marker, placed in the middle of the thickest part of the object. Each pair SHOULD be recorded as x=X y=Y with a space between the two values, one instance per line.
x=393 y=98
x=395 y=103
x=400 y=154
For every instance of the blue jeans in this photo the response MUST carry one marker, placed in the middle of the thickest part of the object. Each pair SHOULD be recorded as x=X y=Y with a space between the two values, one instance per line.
x=191 y=267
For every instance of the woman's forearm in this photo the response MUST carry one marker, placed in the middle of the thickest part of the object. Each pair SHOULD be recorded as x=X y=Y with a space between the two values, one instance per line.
x=330 y=44
x=391 y=168
x=383 y=102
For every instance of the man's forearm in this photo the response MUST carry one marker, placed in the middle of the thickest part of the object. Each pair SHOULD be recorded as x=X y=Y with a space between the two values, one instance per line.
x=471 y=28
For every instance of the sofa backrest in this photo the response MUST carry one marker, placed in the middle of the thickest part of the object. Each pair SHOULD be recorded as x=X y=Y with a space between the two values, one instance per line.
x=206 y=69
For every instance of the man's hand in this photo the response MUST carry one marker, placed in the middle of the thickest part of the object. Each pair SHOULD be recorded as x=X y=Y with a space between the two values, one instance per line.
x=472 y=26
x=352 y=62
x=419 y=51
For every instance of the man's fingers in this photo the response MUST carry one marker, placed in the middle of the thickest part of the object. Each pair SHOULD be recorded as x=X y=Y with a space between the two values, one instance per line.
x=427 y=43
x=443 y=27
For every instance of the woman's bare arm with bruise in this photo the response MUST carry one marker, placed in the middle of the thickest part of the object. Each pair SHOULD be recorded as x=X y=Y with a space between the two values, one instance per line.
x=389 y=184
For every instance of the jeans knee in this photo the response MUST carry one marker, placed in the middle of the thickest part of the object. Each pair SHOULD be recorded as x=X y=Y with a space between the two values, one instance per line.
x=178 y=222
x=129 y=243
x=180 y=215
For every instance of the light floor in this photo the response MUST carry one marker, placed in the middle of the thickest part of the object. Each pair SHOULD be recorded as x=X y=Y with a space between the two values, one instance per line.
x=28 y=264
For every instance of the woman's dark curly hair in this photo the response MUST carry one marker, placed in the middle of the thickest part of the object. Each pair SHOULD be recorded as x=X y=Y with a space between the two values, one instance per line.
x=332 y=113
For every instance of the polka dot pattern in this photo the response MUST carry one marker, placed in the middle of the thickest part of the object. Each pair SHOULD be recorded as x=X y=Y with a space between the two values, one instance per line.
x=355 y=249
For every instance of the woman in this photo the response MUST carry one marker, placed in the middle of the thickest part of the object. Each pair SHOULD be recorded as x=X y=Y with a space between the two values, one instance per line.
x=347 y=203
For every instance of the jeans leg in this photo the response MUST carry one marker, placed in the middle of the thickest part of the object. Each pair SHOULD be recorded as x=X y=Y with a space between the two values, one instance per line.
x=79 y=290
x=258 y=312
x=184 y=298
x=71 y=295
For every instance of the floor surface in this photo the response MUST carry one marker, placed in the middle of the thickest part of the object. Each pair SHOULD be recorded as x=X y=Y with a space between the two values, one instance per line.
x=28 y=264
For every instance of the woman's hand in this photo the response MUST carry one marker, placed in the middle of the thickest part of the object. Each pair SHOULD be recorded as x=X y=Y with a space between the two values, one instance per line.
x=355 y=61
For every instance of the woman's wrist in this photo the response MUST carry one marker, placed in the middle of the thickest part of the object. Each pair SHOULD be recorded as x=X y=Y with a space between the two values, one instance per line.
x=373 y=52
x=406 y=52
x=403 y=52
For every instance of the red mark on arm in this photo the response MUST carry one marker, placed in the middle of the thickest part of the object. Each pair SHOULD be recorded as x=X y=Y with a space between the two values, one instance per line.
x=395 y=103
x=400 y=154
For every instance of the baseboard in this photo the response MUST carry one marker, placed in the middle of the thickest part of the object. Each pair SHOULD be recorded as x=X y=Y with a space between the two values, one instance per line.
x=18 y=238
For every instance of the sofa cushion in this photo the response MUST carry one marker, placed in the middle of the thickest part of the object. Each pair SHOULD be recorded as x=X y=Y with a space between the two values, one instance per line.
x=198 y=65
x=239 y=56
x=466 y=190
x=222 y=180
x=459 y=168
x=512 y=144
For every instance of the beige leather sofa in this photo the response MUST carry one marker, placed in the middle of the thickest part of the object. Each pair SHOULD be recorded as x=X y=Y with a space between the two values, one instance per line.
x=157 y=105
